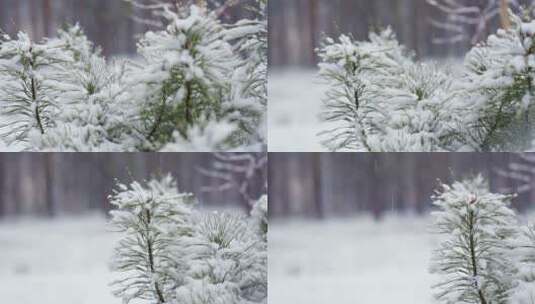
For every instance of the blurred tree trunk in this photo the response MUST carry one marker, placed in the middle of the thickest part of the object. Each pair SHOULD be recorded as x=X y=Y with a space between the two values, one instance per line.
x=317 y=185
x=49 y=184
x=313 y=28
x=504 y=14
x=47 y=18
x=377 y=186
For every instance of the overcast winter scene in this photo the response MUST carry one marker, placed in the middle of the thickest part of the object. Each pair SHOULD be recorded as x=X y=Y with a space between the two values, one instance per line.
x=133 y=75
x=401 y=76
x=133 y=228
x=415 y=228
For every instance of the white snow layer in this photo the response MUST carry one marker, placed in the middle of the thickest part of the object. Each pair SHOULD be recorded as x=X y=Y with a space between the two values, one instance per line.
x=293 y=113
x=58 y=261
x=353 y=260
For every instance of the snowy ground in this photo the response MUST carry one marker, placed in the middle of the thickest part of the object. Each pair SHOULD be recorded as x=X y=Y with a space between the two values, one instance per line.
x=294 y=105
x=56 y=261
x=350 y=261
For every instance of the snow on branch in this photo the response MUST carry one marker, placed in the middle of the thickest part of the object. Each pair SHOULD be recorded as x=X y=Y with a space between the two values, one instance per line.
x=380 y=99
x=198 y=84
x=173 y=253
x=485 y=255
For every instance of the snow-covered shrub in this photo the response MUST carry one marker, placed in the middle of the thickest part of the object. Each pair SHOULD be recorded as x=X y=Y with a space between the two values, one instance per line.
x=381 y=100
x=199 y=84
x=174 y=253
x=384 y=100
x=153 y=218
x=524 y=293
x=249 y=86
x=29 y=91
x=498 y=89
x=228 y=265
x=475 y=257
x=89 y=108
x=184 y=75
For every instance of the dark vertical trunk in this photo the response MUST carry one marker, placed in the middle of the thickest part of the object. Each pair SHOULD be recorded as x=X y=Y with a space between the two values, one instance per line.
x=49 y=184
x=313 y=29
x=189 y=104
x=317 y=184
x=2 y=185
x=47 y=18
x=505 y=21
x=377 y=187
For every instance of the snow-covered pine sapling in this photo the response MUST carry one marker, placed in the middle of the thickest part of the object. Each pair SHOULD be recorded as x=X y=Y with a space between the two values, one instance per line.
x=380 y=100
x=524 y=252
x=184 y=78
x=88 y=113
x=249 y=86
x=474 y=259
x=228 y=265
x=499 y=89
x=413 y=112
x=348 y=67
x=153 y=218
x=28 y=91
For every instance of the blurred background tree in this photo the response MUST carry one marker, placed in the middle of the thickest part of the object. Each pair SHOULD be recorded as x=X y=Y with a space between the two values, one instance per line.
x=110 y=24
x=322 y=185
x=432 y=28
x=50 y=184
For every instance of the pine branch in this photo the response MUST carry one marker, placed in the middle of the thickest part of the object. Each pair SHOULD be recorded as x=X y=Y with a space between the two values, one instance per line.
x=188 y=102
x=151 y=258
x=472 y=244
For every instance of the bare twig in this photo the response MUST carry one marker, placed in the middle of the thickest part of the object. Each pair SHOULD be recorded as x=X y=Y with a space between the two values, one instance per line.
x=467 y=20
x=238 y=171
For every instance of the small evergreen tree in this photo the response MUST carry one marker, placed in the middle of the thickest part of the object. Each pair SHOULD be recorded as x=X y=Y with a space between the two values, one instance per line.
x=172 y=253
x=248 y=105
x=88 y=116
x=524 y=253
x=474 y=258
x=229 y=264
x=498 y=89
x=184 y=78
x=29 y=90
x=381 y=100
x=153 y=217
x=199 y=86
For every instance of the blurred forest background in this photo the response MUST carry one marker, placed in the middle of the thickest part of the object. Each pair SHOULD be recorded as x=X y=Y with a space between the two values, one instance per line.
x=49 y=184
x=108 y=23
x=337 y=184
x=296 y=26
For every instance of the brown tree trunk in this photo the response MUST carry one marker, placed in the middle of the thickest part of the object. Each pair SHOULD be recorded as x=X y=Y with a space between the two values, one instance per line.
x=47 y=17
x=504 y=14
